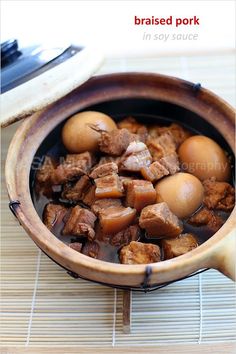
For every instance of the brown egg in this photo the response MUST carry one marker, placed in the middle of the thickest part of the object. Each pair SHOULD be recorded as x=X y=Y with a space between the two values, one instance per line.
x=182 y=192
x=204 y=158
x=77 y=134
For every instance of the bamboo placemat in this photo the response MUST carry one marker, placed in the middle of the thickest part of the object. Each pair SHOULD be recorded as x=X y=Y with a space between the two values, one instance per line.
x=42 y=306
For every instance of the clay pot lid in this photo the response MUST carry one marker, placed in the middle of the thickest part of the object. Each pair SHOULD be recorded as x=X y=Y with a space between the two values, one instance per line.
x=37 y=93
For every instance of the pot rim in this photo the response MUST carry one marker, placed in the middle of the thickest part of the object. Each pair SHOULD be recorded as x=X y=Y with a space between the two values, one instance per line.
x=17 y=166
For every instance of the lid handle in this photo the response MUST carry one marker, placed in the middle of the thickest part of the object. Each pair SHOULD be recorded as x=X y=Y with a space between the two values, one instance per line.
x=9 y=51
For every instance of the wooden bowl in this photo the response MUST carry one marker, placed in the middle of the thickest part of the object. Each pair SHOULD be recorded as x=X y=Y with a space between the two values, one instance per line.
x=122 y=94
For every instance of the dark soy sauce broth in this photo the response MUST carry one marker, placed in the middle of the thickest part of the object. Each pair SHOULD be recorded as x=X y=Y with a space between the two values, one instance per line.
x=108 y=252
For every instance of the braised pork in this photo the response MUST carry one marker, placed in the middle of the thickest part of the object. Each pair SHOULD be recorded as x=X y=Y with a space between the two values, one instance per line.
x=206 y=217
x=77 y=191
x=218 y=195
x=135 y=157
x=159 y=221
x=171 y=163
x=139 y=194
x=53 y=213
x=102 y=205
x=74 y=166
x=45 y=172
x=103 y=170
x=124 y=237
x=130 y=124
x=109 y=187
x=89 y=197
x=178 y=246
x=116 y=142
x=154 y=172
x=161 y=146
x=178 y=132
x=80 y=223
x=116 y=219
x=91 y=249
x=140 y=253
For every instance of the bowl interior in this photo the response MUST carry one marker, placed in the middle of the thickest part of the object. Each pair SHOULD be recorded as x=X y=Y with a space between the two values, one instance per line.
x=146 y=111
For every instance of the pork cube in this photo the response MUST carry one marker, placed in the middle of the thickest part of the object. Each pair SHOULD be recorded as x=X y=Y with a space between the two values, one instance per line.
x=109 y=187
x=124 y=237
x=77 y=246
x=46 y=170
x=135 y=157
x=103 y=170
x=154 y=172
x=115 y=219
x=134 y=127
x=171 y=163
x=78 y=190
x=91 y=249
x=159 y=221
x=179 y=133
x=85 y=160
x=103 y=204
x=116 y=141
x=156 y=150
x=154 y=130
x=52 y=214
x=125 y=180
x=74 y=166
x=140 y=253
x=130 y=124
x=218 y=195
x=80 y=215
x=83 y=229
x=161 y=146
x=80 y=223
x=89 y=196
x=177 y=246
x=139 y=194
x=142 y=134
x=206 y=217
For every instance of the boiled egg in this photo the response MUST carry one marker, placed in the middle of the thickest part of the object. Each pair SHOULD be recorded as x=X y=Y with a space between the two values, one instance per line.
x=204 y=158
x=81 y=132
x=182 y=192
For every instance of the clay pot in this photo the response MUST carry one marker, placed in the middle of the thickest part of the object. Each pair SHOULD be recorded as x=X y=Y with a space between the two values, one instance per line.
x=121 y=94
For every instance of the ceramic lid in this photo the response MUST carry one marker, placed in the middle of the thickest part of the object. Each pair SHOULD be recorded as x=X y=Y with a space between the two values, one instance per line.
x=35 y=94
